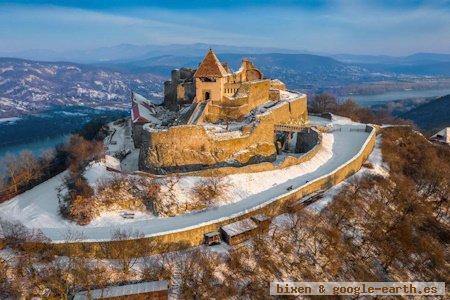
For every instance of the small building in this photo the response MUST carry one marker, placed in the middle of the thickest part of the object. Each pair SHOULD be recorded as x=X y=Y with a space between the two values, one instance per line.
x=212 y=238
x=262 y=221
x=237 y=232
x=154 y=290
x=443 y=136
x=142 y=112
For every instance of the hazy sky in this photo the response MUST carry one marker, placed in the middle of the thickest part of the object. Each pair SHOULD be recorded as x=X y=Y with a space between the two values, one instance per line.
x=370 y=27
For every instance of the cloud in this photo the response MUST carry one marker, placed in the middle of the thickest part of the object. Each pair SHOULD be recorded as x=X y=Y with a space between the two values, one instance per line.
x=56 y=26
x=374 y=27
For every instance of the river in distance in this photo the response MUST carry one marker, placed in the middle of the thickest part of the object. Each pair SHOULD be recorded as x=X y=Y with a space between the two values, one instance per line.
x=43 y=131
x=369 y=100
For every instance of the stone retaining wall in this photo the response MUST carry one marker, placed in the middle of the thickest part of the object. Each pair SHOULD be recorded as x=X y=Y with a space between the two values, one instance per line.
x=289 y=161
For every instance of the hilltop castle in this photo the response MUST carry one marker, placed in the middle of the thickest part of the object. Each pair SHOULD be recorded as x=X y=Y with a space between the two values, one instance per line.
x=213 y=117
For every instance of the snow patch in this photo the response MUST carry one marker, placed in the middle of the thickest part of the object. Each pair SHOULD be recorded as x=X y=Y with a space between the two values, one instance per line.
x=9 y=120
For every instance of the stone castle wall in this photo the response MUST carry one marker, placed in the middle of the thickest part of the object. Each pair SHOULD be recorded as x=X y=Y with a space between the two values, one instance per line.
x=254 y=94
x=168 y=151
x=180 y=89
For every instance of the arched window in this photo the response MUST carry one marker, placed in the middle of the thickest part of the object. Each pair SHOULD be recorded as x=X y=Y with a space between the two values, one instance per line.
x=207 y=96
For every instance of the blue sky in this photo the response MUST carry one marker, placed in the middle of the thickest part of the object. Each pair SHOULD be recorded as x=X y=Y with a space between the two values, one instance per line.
x=360 y=27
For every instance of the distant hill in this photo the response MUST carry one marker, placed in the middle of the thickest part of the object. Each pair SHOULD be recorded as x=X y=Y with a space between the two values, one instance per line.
x=413 y=59
x=161 y=58
x=127 y=52
x=298 y=71
x=431 y=116
x=306 y=71
x=428 y=69
x=27 y=86
x=418 y=64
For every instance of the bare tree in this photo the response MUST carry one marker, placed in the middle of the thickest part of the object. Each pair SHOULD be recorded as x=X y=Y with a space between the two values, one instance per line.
x=89 y=275
x=47 y=158
x=324 y=103
x=82 y=151
x=31 y=169
x=170 y=183
x=13 y=171
x=197 y=275
x=3 y=185
x=157 y=269
x=126 y=247
x=208 y=190
x=7 y=290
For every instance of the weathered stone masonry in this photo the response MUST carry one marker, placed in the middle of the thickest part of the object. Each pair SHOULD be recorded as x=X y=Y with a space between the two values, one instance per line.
x=244 y=98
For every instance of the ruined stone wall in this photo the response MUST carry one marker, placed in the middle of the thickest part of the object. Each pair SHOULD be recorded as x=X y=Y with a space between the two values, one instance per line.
x=168 y=150
x=180 y=89
x=277 y=85
x=274 y=95
x=136 y=131
x=290 y=160
x=170 y=95
x=190 y=147
x=294 y=111
x=249 y=95
x=231 y=88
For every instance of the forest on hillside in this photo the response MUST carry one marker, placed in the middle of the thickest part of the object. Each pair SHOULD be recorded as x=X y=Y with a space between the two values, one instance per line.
x=431 y=116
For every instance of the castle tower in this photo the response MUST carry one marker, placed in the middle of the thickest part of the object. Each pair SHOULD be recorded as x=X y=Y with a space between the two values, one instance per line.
x=210 y=78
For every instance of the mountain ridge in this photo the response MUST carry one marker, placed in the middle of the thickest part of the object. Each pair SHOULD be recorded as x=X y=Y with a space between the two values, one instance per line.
x=28 y=86
x=126 y=51
x=431 y=116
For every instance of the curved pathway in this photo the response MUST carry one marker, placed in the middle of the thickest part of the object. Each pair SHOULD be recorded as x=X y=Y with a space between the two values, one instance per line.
x=347 y=143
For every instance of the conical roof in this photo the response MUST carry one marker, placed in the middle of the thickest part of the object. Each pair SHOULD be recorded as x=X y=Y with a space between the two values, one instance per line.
x=210 y=67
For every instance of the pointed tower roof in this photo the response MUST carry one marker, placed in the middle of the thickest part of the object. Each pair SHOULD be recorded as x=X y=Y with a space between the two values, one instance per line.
x=210 y=67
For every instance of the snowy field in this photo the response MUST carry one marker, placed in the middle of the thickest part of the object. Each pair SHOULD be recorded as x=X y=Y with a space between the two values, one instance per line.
x=38 y=208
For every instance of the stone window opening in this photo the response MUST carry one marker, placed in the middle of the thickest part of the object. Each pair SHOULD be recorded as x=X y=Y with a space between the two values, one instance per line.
x=207 y=96
x=208 y=79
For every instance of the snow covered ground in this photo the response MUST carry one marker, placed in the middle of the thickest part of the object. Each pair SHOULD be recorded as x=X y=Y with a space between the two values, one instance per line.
x=335 y=120
x=242 y=186
x=38 y=208
x=9 y=120
x=378 y=168
x=121 y=140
